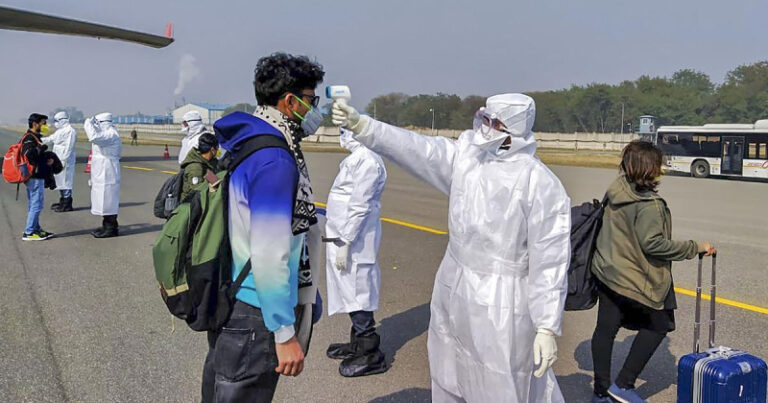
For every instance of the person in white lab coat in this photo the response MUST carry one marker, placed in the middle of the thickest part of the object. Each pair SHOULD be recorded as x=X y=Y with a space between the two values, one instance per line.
x=63 y=141
x=106 y=146
x=192 y=126
x=498 y=298
x=352 y=273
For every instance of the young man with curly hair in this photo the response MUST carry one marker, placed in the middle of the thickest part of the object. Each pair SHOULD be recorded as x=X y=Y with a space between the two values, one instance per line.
x=270 y=213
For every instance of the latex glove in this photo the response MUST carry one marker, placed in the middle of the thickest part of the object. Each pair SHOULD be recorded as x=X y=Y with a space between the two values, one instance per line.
x=544 y=351
x=347 y=116
x=342 y=256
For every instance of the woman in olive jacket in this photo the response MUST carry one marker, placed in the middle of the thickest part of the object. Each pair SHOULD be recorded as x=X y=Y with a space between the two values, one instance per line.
x=632 y=262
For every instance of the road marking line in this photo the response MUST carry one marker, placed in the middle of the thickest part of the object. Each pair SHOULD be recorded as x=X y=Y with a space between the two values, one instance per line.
x=719 y=300
x=138 y=168
x=724 y=301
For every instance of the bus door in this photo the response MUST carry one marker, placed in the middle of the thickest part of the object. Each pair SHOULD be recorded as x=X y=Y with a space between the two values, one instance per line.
x=733 y=155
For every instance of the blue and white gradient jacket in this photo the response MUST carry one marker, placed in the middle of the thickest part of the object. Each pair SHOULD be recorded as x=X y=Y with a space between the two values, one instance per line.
x=261 y=200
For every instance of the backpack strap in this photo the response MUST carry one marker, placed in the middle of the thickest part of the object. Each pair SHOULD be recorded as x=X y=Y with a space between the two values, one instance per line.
x=243 y=150
x=240 y=279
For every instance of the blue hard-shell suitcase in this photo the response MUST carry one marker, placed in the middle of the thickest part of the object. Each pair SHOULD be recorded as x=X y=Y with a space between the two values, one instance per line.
x=720 y=374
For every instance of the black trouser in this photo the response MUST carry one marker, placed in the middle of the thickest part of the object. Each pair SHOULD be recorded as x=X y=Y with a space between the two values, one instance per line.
x=363 y=323
x=241 y=361
x=609 y=320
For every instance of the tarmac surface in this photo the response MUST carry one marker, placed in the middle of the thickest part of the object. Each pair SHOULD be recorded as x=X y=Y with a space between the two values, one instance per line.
x=83 y=320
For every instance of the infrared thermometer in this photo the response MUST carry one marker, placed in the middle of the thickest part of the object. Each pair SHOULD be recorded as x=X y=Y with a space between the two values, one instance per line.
x=338 y=93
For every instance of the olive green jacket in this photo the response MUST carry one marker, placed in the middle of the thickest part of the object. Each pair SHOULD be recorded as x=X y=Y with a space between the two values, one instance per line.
x=195 y=168
x=634 y=251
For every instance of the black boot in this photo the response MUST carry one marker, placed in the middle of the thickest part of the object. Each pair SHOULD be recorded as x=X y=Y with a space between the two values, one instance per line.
x=64 y=205
x=110 y=227
x=368 y=361
x=341 y=351
x=55 y=206
x=98 y=231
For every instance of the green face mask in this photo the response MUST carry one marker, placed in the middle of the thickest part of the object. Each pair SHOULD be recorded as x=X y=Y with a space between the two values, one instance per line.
x=45 y=129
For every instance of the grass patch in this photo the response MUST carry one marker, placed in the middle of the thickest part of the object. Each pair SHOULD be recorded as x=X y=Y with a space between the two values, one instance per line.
x=580 y=159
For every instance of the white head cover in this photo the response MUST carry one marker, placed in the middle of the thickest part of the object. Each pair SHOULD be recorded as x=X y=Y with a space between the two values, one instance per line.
x=61 y=116
x=192 y=116
x=347 y=141
x=104 y=117
x=516 y=111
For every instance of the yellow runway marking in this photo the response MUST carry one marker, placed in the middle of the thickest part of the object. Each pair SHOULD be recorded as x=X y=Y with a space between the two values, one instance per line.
x=719 y=300
x=138 y=168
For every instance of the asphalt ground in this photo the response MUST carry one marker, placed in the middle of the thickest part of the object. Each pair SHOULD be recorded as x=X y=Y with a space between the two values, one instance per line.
x=82 y=319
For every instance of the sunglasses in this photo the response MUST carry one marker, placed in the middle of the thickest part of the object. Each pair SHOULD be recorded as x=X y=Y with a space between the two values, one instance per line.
x=314 y=100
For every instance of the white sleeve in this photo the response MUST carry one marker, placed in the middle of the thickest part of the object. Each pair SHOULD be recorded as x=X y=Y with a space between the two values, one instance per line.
x=427 y=158
x=52 y=138
x=368 y=176
x=549 y=250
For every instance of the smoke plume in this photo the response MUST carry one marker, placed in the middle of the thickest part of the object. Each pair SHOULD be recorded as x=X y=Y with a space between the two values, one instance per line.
x=188 y=71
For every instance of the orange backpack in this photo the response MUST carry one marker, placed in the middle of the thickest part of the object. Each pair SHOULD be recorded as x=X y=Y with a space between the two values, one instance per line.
x=16 y=167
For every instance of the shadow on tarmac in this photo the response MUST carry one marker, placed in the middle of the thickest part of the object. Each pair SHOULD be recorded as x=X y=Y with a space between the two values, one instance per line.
x=659 y=374
x=406 y=395
x=125 y=230
x=401 y=328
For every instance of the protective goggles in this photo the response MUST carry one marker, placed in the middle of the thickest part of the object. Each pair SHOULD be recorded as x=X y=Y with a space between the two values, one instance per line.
x=485 y=122
x=314 y=100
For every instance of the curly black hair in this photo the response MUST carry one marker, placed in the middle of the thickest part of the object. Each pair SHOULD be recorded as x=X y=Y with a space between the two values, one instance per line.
x=280 y=73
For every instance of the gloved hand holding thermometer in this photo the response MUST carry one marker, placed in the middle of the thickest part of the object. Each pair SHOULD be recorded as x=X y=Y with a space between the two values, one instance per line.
x=341 y=113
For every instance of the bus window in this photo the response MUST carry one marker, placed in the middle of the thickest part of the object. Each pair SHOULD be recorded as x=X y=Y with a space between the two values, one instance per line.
x=670 y=139
x=752 y=154
x=763 y=151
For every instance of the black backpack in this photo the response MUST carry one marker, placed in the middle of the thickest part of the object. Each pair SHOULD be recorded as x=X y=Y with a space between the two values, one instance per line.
x=586 y=220
x=167 y=198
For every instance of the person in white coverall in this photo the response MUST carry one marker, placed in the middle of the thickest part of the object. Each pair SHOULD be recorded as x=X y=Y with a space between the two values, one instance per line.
x=106 y=146
x=499 y=293
x=192 y=126
x=352 y=273
x=63 y=141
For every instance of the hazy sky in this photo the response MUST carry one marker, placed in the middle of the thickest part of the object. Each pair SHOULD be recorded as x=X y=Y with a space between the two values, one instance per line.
x=376 y=47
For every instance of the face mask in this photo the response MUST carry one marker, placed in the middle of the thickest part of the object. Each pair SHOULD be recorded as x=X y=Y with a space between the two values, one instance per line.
x=489 y=131
x=58 y=124
x=184 y=129
x=311 y=121
x=44 y=129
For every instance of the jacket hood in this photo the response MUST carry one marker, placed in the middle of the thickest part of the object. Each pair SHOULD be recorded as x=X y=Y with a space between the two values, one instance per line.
x=622 y=192
x=194 y=157
x=239 y=126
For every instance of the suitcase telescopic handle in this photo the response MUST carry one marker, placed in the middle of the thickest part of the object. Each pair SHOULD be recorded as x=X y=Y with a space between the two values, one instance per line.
x=712 y=295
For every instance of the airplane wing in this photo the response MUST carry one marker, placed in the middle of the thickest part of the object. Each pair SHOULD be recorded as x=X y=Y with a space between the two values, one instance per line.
x=22 y=20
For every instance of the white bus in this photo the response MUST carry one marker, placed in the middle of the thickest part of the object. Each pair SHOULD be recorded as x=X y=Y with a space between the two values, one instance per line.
x=716 y=149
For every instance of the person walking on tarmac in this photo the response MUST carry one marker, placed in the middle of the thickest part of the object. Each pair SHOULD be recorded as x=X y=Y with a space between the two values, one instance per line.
x=352 y=273
x=199 y=162
x=134 y=137
x=499 y=294
x=63 y=141
x=34 y=150
x=632 y=262
x=192 y=126
x=106 y=146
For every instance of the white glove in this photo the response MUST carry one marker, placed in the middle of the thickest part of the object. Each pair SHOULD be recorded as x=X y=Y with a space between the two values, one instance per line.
x=544 y=351
x=342 y=255
x=345 y=115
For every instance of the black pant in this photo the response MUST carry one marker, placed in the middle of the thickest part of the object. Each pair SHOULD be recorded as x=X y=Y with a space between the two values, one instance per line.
x=609 y=319
x=241 y=361
x=363 y=323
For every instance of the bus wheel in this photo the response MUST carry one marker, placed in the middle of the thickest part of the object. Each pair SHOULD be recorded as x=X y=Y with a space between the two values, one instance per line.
x=700 y=169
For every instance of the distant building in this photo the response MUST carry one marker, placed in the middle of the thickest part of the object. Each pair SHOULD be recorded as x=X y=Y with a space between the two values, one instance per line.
x=209 y=112
x=647 y=128
x=141 y=118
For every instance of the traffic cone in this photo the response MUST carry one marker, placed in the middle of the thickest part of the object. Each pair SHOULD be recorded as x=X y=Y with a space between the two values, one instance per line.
x=166 y=154
x=88 y=165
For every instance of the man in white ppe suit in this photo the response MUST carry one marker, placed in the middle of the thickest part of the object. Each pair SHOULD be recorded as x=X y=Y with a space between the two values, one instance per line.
x=63 y=141
x=352 y=273
x=498 y=298
x=106 y=146
x=192 y=126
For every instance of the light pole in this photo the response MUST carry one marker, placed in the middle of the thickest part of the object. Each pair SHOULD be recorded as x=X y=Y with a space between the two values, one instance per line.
x=433 y=120
x=622 y=118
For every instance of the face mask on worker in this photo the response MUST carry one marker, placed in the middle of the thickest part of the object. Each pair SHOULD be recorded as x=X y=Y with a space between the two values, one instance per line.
x=490 y=129
x=311 y=121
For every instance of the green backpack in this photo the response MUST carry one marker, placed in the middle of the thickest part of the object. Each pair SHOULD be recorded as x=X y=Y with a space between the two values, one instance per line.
x=192 y=255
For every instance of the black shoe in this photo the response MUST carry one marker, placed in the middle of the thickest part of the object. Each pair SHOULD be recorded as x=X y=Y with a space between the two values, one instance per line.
x=341 y=351
x=107 y=233
x=369 y=361
x=55 y=206
x=97 y=232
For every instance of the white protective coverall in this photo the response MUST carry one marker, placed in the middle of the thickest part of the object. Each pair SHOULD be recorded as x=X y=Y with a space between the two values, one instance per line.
x=354 y=216
x=63 y=140
x=503 y=275
x=192 y=132
x=105 y=164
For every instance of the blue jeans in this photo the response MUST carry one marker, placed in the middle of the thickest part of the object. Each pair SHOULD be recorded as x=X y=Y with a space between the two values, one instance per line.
x=66 y=193
x=35 y=195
